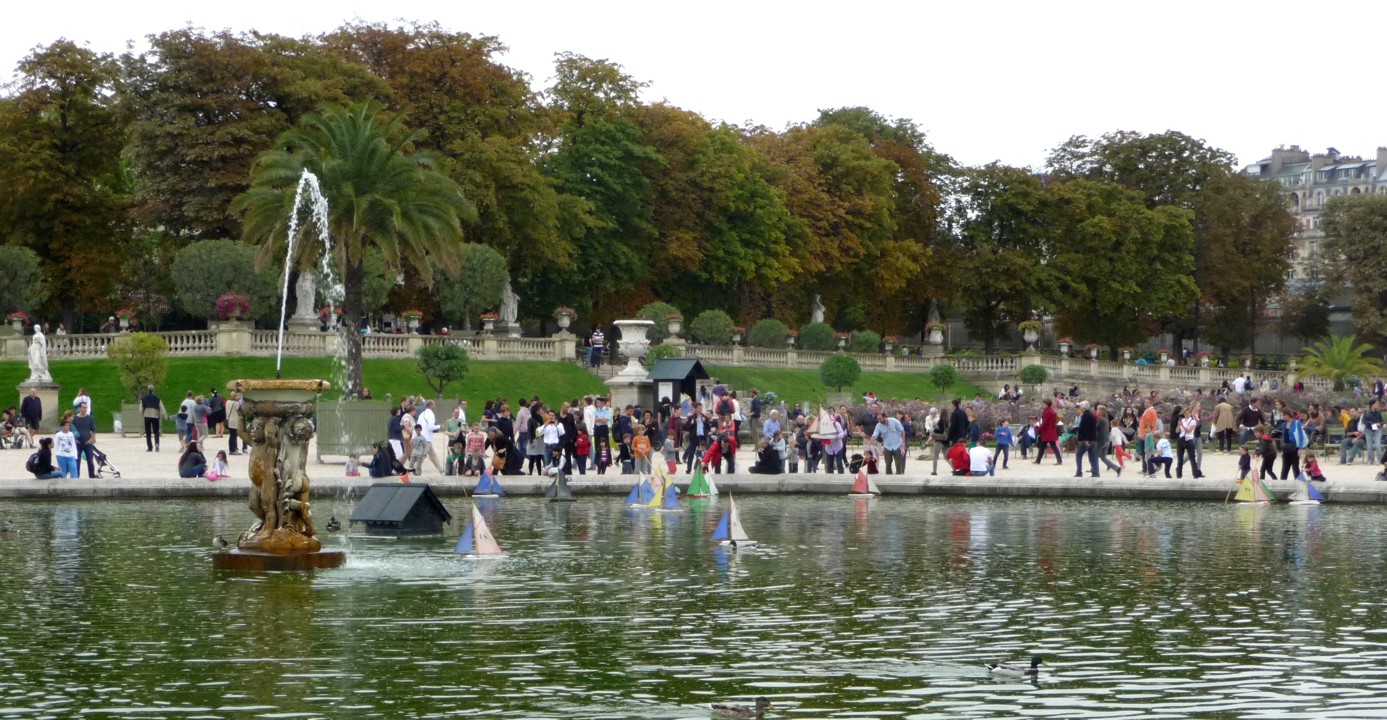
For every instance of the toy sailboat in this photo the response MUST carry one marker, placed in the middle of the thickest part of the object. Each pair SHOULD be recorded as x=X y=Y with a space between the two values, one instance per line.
x=864 y=487
x=487 y=486
x=729 y=531
x=476 y=542
x=700 y=487
x=558 y=490
x=669 y=502
x=641 y=494
x=1253 y=492
x=1306 y=493
x=823 y=429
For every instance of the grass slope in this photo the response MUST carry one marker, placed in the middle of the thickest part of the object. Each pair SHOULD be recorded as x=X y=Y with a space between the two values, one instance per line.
x=794 y=386
x=552 y=381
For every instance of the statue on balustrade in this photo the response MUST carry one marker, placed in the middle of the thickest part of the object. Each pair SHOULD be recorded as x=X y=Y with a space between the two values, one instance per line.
x=510 y=305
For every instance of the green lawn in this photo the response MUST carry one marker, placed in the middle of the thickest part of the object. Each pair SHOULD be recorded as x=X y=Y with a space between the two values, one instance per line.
x=794 y=386
x=552 y=381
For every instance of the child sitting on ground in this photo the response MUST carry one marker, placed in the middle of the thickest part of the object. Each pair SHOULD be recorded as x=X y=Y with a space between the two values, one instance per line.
x=219 y=467
x=353 y=465
x=1312 y=468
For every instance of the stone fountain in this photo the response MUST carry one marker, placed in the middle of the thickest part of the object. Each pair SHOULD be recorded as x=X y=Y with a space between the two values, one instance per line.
x=279 y=417
x=632 y=385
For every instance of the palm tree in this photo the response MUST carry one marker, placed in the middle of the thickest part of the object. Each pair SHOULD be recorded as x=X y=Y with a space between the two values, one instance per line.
x=1338 y=358
x=380 y=195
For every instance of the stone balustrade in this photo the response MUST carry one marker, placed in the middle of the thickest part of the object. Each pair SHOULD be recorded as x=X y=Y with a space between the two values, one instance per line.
x=238 y=338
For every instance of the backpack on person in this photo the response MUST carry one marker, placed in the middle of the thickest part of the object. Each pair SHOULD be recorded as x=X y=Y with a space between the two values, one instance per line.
x=32 y=463
x=725 y=406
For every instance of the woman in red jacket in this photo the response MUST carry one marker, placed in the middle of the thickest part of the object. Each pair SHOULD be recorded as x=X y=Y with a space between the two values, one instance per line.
x=1049 y=432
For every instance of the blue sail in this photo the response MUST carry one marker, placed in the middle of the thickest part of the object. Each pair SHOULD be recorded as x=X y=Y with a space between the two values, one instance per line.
x=464 y=545
x=671 y=501
x=647 y=492
x=1312 y=492
x=721 y=532
x=488 y=485
x=634 y=497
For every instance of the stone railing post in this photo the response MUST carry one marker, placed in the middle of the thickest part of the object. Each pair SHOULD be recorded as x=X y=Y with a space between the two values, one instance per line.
x=491 y=349
x=1205 y=375
x=1163 y=373
x=412 y=344
x=890 y=362
x=792 y=358
x=566 y=347
x=14 y=347
x=738 y=354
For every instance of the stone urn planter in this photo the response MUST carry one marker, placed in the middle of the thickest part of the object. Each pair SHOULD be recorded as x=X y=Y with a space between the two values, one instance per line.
x=1064 y=348
x=789 y=341
x=936 y=335
x=17 y=326
x=1126 y=353
x=634 y=345
x=675 y=323
x=124 y=323
x=488 y=324
x=1093 y=353
x=564 y=321
x=1164 y=355
x=1030 y=336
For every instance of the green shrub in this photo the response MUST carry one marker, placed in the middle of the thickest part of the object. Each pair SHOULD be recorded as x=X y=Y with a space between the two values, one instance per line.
x=658 y=313
x=662 y=352
x=817 y=336
x=768 y=333
x=24 y=288
x=205 y=270
x=943 y=377
x=864 y=341
x=1033 y=375
x=141 y=360
x=712 y=327
x=442 y=364
x=840 y=371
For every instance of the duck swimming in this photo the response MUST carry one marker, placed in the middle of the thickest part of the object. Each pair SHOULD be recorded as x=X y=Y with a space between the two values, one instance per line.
x=220 y=543
x=734 y=710
x=1017 y=668
x=333 y=525
x=8 y=528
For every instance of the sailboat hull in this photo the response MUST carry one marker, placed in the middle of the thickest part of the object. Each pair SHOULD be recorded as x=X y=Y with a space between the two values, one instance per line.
x=861 y=496
x=486 y=495
x=476 y=556
x=1304 y=502
x=739 y=544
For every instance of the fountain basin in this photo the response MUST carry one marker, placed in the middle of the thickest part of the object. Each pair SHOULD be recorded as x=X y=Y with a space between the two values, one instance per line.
x=239 y=560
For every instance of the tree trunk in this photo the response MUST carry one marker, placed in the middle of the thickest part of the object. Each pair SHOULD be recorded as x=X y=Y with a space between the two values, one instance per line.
x=352 y=281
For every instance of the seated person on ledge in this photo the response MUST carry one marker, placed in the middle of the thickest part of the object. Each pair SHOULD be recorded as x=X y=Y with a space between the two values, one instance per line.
x=193 y=463
x=41 y=464
x=767 y=459
x=958 y=458
x=979 y=461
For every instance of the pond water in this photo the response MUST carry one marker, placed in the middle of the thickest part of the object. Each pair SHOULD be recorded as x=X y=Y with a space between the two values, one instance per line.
x=885 y=608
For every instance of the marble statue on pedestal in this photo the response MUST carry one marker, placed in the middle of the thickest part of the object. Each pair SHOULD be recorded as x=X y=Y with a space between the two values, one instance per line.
x=816 y=315
x=305 y=295
x=38 y=358
x=510 y=305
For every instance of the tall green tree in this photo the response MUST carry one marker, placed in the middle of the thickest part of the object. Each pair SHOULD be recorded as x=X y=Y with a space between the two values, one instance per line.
x=381 y=195
x=1121 y=265
x=478 y=284
x=1006 y=222
x=1242 y=238
x=601 y=159
x=205 y=105
x=483 y=118
x=65 y=189
x=1355 y=243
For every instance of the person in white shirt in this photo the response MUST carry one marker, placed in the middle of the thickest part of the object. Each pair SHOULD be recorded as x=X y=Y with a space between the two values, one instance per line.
x=1164 y=455
x=81 y=398
x=65 y=450
x=424 y=428
x=980 y=461
x=552 y=435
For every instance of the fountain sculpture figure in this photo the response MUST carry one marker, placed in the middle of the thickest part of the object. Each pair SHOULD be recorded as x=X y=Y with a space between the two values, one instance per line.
x=278 y=414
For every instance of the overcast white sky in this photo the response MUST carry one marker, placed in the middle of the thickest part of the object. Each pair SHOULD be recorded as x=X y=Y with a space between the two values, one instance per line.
x=986 y=80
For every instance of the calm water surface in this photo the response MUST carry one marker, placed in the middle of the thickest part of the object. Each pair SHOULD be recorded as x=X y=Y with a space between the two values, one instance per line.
x=850 y=609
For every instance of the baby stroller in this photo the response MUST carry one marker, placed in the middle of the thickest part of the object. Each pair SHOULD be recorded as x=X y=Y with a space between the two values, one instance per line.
x=104 y=466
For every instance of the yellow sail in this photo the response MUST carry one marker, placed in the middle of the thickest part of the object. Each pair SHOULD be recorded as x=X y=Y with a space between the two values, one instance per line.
x=1247 y=491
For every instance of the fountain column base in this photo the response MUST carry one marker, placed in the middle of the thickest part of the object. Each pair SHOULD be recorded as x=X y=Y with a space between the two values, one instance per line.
x=248 y=561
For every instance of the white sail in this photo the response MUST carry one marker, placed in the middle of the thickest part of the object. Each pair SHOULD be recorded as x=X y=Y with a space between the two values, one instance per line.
x=872 y=486
x=735 y=528
x=485 y=543
x=824 y=429
x=712 y=486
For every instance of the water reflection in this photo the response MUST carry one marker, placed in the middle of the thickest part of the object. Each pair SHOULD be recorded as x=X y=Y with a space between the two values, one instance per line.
x=850 y=608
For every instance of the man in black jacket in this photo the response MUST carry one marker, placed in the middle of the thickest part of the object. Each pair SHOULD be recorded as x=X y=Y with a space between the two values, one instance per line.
x=958 y=422
x=152 y=408
x=1087 y=435
x=1250 y=418
x=31 y=409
